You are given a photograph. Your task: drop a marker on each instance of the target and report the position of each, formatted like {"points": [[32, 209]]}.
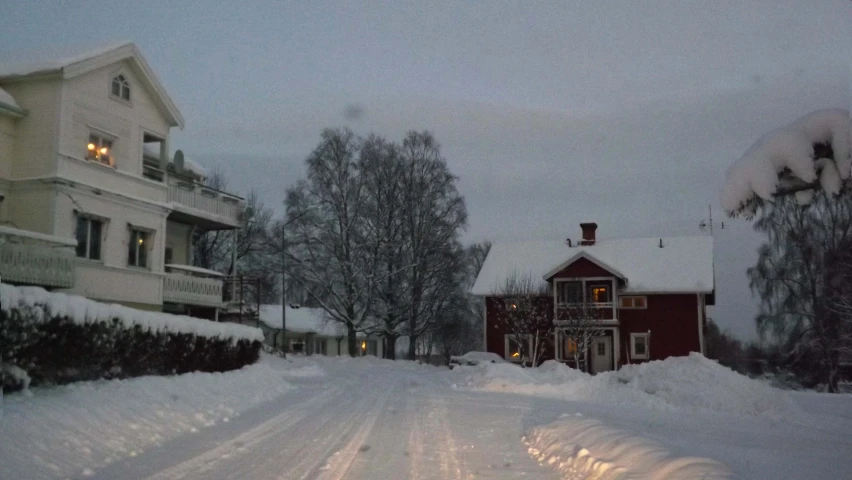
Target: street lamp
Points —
{"points": [[284, 276]]}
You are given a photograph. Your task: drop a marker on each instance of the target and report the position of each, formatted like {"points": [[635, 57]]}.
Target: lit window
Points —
{"points": [[599, 293], [639, 345], [570, 346], [513, 351], [137, 251], [89, 233], [99, 149], [633, 302], [511, 304], [121, 87]]}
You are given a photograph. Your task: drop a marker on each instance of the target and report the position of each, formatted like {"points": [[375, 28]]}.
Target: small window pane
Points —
{"points": [[639, 345], [116, 87], [142, 246], [639, 302], [626, 302], [125, 92], [95, 240], [168, 255], [601, 348], [82, 236]]}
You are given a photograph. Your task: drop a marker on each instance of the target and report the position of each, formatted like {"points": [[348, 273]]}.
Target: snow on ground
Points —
{"points": [[690, 383], [59, 431], [366, 418]]}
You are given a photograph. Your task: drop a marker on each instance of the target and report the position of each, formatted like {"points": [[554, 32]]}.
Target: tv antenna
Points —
{"points": [[709, 224]]}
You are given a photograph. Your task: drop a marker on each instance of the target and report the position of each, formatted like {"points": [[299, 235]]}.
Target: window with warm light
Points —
{"points": [[120, 87], [633, 302], [511, 304], [513, 352], [570, 346], [599, 293], [137, 254], [99, 149]]}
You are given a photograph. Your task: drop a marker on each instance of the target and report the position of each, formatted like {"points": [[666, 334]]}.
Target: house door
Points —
{"points": [[601, 354]]}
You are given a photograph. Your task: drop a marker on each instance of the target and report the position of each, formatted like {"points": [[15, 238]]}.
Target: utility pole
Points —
{"points": [[283, 290]]}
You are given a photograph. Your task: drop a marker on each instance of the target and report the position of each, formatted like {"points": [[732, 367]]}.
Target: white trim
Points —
{"points": [[647, 337], [587, 256], [700, 301]]}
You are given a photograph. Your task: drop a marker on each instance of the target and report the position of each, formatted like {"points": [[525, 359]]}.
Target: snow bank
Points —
{"points": [[756, 173], [678, 383], [59, 432], [579, 448], [475, 358], [82, 310]]}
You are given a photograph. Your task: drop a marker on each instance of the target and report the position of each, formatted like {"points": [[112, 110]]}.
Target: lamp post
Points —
{"points": [[284, 290]]}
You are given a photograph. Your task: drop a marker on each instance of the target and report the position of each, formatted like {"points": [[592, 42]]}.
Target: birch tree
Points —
{"points": [[526, 316], [579, 322], [335, 266]]}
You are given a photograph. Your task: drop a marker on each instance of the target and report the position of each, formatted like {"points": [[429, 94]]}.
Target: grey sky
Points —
{"points": [[550, 113]]}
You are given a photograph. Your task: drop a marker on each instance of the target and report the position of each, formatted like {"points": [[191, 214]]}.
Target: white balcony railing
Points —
{"points": [[190, 290], [34, 259], [207, 201]]}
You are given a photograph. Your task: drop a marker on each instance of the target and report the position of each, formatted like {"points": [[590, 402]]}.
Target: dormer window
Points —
{"points": [[121, 87]]}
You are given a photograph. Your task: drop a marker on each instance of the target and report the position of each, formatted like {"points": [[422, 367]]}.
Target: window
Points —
{"points": [[297, 346], [510, 304], [369, 347], [89, 233], [121, 87], [513, 351], [167, 257], [153, 151], [319, 346], [137, 251], [633, 302], [569, 292], [639, 345], [601, 347], [599, 293], [99, 149]]}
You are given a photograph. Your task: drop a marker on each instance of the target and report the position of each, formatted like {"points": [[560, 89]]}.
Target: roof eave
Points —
{"points": [[587, 256]]}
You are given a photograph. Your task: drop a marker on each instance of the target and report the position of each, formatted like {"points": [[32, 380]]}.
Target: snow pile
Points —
{"points": [[46, 305], [475, 358], [678, 383], [790, 149], [296, 366], [580, 448], [59, 432]]}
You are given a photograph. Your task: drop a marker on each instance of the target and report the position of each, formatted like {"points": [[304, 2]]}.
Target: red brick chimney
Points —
{"points": [[588, 233]]}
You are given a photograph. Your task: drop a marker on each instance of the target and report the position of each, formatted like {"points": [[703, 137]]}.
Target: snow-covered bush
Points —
{"points": [[57, 338]]}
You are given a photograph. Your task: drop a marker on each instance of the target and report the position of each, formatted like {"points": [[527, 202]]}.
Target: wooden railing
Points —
{"points": [[207, 200], [31, 264], [189, 290]]}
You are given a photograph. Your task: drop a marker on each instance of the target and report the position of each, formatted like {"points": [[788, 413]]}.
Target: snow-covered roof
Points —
{"points": [[17, 232], [189, 268], [194, 167], [791, 148], [70, 62], [8, 101], [684, 264], [302, 320]]}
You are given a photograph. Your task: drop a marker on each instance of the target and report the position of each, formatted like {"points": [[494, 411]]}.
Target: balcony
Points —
{"points": [[578, 313], [188, 285], [31, 258], [204, 206]]}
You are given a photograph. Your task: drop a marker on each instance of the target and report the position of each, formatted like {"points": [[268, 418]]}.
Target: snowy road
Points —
{"points": [[368, 422]]}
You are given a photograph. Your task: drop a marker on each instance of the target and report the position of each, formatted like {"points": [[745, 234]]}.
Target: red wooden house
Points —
{"points": [[651, 293]]}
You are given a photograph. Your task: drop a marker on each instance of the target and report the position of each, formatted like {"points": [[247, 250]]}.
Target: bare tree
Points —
{"points": [[579, 322], [334, 264], [526, 316]]}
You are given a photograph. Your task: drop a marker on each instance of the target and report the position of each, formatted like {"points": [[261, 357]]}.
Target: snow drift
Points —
{"points": [[791, 149], [580, 448], [678, 383], [61, 431]]}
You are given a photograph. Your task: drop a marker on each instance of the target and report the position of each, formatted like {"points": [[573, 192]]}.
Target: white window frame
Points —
{"points": [[147, 244], [633, 302], [509, 337], [97, 156], [123, 86], [633, 337], [90, 219]]}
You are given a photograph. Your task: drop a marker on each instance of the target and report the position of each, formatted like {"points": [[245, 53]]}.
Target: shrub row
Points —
{"points": [[58, 349]]}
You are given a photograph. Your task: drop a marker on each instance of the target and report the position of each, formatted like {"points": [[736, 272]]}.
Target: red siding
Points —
{"points": [[672, 320], [583, 267], [495, 331]]}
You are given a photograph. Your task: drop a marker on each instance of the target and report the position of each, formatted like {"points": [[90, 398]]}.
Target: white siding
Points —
{"points": [[107, 284], [88, 104], [34, 153], [177, 237], [29, 206]]}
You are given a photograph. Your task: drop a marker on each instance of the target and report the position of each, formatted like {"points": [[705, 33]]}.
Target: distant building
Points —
{"points": [[650, 294], [90, 202]]}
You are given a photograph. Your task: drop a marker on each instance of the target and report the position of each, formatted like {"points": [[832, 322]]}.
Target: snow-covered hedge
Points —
{"points": [[58, 338]]}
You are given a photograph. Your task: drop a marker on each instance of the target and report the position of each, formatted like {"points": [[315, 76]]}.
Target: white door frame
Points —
{"points": [[606, 339]]}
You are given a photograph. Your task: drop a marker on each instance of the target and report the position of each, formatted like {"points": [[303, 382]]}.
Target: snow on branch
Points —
{"points": [[810, 153]]}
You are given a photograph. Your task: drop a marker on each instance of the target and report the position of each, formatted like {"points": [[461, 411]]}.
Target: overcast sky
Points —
{"points": [[550, 113]]}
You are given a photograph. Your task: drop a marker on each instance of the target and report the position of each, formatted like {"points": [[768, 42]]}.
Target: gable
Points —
{"points": [[582, 267]]}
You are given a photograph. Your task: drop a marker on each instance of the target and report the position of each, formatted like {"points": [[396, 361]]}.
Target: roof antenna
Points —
{"points": [[568, 240], [708, 224]]}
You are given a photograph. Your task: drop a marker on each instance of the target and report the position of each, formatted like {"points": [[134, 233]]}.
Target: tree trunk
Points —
{"points": [[412, 347], [390, 346], [354, 348]]}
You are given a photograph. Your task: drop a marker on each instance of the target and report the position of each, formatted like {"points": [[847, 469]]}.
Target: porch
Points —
{"points": [[30, 258], [188, 285]]}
